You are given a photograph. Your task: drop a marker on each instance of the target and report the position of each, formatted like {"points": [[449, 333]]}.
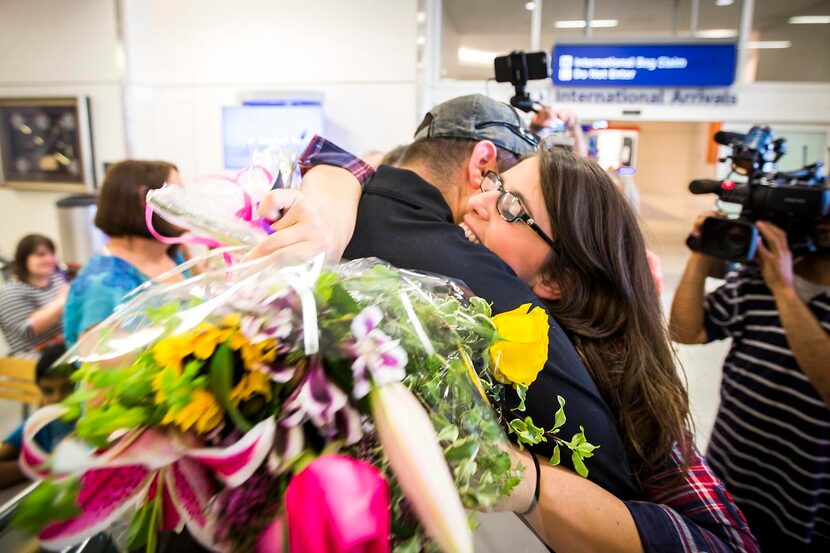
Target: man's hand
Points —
{"points": [[300, 231], [546, 115], [775, 258], [700, 262]]}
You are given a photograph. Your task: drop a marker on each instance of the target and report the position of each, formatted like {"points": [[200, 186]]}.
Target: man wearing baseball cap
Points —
{"points": [[407, 216]]}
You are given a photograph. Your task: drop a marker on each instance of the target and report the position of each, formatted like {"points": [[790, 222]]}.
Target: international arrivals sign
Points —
{"points": [[686, 97], [670, 65]]}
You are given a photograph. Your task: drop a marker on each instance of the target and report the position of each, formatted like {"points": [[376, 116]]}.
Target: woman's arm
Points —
{"points": [[573, 514], [45, 318], [688, 512]]}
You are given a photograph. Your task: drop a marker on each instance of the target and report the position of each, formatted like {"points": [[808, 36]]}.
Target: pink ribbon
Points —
{"points": [[246, 214]]}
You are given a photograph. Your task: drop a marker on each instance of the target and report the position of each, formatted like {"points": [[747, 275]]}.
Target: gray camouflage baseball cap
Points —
{"points": [[478, 117]]}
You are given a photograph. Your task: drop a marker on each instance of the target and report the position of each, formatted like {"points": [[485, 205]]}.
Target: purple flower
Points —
{"points": [[324, 404], [378, 355]]}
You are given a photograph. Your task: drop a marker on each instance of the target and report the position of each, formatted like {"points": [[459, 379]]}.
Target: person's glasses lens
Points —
{"points": [[489, 183], [509, 206]]}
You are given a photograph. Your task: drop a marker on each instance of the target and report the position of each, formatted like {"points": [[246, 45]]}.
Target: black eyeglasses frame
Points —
{"points": [[523, 216]]}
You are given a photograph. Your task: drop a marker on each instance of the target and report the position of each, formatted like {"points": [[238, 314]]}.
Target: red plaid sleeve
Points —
{"points": [[322, 152], [695, 513]]}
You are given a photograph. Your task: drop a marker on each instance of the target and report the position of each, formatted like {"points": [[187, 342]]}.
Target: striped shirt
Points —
{"points": [[771, 440], [18, 300]]}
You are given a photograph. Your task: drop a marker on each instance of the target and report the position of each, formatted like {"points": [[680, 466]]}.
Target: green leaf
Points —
{"points": [[51, 501], [480, 305], [323, 286], [412, 545], [560, 419], [580, 467], [554, 460], [521, 391], [586, 450], [221, 371], [527, 432], [448, 433], [139, 525], [462, 450]]}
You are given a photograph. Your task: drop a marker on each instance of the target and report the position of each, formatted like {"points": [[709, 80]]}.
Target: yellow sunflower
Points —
{"points": [[202, 413]]}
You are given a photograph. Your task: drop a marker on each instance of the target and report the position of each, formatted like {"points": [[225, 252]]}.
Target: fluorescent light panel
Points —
{"points": [[716, 33], [471, 56], [769, 44], [810, 20], [580, 24]]}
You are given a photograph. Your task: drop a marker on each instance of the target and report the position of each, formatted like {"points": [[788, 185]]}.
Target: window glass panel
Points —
{"points": [[804, 58], [474, 31]]}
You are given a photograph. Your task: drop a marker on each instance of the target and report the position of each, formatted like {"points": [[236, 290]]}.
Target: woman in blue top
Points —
{"points": [[132, 256]]}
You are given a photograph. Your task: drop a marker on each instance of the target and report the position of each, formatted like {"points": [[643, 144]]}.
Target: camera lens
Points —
{"points": [[737, 237]]}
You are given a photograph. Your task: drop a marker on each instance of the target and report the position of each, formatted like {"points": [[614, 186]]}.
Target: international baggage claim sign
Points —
{"points": [[688, 73]]}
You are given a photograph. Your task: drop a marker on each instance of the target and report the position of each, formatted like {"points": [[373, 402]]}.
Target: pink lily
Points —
{"points": [[131, 472], [338, 504], [410, 444]]}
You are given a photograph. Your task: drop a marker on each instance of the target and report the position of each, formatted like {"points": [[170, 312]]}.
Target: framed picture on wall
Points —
{"points": [[46, 144]]}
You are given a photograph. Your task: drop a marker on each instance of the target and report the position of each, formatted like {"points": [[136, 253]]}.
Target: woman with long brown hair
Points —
{"points": [[586, 257], [561, 226]]}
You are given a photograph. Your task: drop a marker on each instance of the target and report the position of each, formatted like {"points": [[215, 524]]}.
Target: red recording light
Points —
{"points": [[727, 185]]}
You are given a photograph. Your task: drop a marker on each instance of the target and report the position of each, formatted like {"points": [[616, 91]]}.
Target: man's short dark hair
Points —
{"points": [[445, 155], [122, 198], [47, 358]]}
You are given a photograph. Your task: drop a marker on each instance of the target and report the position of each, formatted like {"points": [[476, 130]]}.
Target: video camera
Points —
{"points": [[517, 68], [794, 200]]}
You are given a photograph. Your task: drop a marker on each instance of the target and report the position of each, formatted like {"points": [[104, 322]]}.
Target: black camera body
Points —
{"points": [[795, 201], [519, 67]]}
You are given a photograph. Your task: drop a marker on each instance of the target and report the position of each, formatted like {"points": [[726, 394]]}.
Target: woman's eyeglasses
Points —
{"points": [[511, 207]]}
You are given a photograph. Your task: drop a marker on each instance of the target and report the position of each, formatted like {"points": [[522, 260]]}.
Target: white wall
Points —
{"points": [[188, 58], [54, 48], [160, 94]]}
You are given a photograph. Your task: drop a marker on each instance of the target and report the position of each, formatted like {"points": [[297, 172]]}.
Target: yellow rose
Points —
{"points": [[522, 349]]}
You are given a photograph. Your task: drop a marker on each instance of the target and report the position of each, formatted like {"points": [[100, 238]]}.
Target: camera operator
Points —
{"points": [[771, 440], [546, 118]]}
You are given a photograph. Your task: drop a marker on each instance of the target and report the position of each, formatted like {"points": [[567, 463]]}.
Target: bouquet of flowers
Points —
{"points": [[301, 408]]}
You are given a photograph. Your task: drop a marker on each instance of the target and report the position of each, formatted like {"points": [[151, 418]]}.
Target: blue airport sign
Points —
{"points": [[652, 65]]}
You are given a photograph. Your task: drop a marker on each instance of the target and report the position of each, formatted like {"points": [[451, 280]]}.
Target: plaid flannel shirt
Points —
{"points": [[322, 152], [691, 514]]}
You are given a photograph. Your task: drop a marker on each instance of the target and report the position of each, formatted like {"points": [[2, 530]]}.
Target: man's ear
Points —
{"points": [[547, 289], [483, 159]]}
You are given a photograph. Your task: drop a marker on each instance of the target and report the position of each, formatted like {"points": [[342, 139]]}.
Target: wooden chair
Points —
{"points": [[18, 383]]}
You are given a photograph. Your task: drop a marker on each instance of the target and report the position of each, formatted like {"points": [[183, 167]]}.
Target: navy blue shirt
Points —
{"points": [[405, 221]]}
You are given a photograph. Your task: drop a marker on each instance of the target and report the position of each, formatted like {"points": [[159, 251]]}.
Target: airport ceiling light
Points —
{"points": [[810, 20], [716, 33], [580, 24], [471, 56], [769, 44], [723, 3], [530, 6]]}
